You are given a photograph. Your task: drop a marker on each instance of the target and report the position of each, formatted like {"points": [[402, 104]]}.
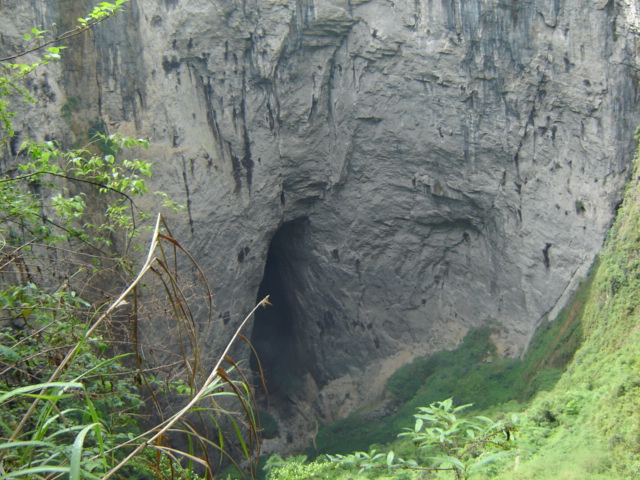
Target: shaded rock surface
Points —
{"points": [[408, 169]]}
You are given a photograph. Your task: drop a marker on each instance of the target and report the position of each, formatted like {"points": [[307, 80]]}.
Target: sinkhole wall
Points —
{"points": [[392, 173]]}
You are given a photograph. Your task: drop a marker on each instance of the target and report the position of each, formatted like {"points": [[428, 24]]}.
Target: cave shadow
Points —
{"points": [[274, 336]]}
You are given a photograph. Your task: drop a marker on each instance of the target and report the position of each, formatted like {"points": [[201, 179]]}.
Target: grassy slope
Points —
{"points": [[470, 374], [593, 413]]}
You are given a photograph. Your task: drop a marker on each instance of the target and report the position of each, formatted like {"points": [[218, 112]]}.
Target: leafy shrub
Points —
{"points": [[461, 446], [77, 375], [294, 468]]}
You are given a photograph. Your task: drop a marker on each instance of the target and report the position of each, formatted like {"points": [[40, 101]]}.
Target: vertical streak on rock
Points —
{"points": [[224, 147], [247, 161], [186, 190]]}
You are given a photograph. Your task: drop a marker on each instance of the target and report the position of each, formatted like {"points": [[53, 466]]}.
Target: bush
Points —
{"points": [[77, 374], [457, 445]]}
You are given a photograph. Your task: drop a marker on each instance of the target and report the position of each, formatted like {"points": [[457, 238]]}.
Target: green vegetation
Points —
{"points": [[592, 412], [470, 373], [268, 425], [82, 394], [440, 444], [452, 444]]}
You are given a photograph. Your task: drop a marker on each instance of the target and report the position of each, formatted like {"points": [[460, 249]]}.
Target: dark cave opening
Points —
{"points": [[274, 328]]}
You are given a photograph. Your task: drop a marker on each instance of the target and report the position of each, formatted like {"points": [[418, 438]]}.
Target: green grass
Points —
{"points": [[596, 403], [471, 373]]}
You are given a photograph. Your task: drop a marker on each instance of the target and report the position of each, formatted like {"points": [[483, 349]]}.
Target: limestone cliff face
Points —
{"points": [[408, 169]]}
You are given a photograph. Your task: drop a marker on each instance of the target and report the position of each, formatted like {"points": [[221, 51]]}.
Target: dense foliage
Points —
{"points": [[81, 393], [439, 444]]}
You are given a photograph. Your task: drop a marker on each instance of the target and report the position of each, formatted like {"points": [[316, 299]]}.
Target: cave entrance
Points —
{"points": [[275, 334]]}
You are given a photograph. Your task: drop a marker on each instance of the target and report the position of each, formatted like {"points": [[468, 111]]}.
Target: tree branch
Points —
{"points": [[80, 29]]}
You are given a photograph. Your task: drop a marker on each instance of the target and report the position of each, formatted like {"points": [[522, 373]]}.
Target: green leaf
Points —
{"points": [[101, 365], [486, 459], [39, 386], [76, 451], [462, 407], [485, 419], [30, 443], [453, 461], [29, 472], [8, 355], [240, 438], [52, 398]]}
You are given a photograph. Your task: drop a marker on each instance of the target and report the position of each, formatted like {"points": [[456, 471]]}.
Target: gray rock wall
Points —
{"points": [[443, 162]]}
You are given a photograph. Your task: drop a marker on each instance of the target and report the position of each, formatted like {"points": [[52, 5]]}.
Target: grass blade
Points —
{"points": [[29, 472], [76, 451], [39, 386]]}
